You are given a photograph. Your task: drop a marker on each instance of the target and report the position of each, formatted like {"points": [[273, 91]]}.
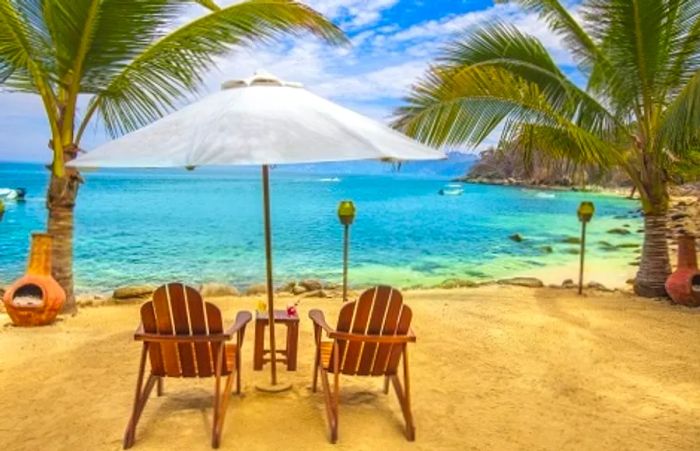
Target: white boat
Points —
{"points": [[12, 194], [452, 189]]}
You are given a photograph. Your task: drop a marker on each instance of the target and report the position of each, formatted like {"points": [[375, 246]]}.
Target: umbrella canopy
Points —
{"points": [[261, 120], [258, 121]]}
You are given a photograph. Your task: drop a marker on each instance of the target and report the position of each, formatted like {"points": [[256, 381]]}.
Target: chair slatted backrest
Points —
{"points": [[378, 311], [179, 310]]}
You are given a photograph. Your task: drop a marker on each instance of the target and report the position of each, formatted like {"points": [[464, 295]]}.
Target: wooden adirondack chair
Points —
{"points": [[371, 338], [183, 336]]}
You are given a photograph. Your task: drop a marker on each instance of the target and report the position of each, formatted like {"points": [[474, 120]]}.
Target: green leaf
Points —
{"points": [[149, 86]]}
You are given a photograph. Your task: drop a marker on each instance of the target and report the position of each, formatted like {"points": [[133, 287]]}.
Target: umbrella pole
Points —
{"points": [[274, 386], [268, 259]]}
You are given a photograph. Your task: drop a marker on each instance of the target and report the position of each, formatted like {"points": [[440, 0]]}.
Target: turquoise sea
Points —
{"points": [[151, 226]]}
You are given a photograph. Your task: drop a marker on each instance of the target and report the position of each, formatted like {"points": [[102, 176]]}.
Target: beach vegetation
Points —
{"points": [[637, 108]]}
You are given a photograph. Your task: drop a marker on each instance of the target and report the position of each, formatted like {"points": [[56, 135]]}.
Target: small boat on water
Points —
{"points": [[12, 194], [452, 189]]}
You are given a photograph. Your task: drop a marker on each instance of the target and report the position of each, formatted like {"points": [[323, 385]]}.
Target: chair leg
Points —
{"points": [[314, 385], [159, 387], [221, 400], [331, 406], [140, 399], [238, 371], [386, 385], [404, 396]]}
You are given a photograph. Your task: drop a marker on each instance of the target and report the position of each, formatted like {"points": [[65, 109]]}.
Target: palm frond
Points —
{"points": [[559, 19], [25, 57], [504, 46], [680, 127], [209, 4], [171, 67], [448, 109]]}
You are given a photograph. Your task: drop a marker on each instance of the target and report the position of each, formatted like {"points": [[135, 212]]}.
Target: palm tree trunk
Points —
{"points": [[60, 202], [655, 266]]}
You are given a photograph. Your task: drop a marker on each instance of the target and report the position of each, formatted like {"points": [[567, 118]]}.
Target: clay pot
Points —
{"points": [[36, 298], [684, 284]]}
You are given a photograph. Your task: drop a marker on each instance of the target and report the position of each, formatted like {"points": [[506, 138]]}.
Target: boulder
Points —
{"points": [[256, 289], [628, 246], [630, 281], [133, 292], [568, 283], [457, 283], [299, 289], [288, 287], [619, 231], [332, 286], [547, 249], [597, 286], [529, 282], [210, 290], [518, 238], [571, 240], [311, 284]]}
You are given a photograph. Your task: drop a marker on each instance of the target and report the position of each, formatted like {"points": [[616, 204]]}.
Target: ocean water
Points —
{"points": [[152, 226]]}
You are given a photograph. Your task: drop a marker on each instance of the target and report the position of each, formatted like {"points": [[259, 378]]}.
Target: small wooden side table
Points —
{"points": [[289, 355]]}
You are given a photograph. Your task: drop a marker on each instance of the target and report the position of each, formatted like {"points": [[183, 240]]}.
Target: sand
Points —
{"points": [[494, 368]]}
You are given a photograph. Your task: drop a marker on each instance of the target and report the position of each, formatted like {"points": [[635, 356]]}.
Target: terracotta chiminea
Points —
{"points": [[36, 298], [684, 284]]}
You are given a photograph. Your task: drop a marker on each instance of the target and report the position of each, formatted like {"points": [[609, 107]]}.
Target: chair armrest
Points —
{"points": [[242, 318], [319, 320], [381, 339], [139, 332]]}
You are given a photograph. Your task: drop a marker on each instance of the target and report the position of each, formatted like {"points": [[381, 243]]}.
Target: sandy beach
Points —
{"points": [[494, 367]]}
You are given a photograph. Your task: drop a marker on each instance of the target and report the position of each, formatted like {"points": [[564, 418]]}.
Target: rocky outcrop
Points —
{"points": [[133, 292], [507, 167], [529, 282]]}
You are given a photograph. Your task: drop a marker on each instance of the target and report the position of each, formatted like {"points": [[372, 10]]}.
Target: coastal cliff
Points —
{"points": [[496, 167]]}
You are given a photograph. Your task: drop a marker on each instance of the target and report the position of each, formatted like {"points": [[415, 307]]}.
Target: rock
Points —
{"points": [[211, 290], [597, 286], [518, 238], [547, 249], [568, 283], [572, 250], [678, 216], [315, 294], [133, 292], [256, 289], [456, 283], [332, 286], [571, 240], [630, 281], [299, 289], [529, 282], [288, 287], [628, 246], [311, 284], [619, 231]]}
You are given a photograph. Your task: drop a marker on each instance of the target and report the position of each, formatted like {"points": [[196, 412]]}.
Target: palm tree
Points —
{"points": [[133, 60], [639, 110]]}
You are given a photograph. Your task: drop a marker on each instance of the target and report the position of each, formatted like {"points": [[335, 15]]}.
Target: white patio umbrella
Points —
{"points": [[258, 121]]}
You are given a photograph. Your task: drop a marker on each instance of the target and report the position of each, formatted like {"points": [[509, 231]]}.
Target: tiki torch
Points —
{"points": [[585, 213], [346, 215]]}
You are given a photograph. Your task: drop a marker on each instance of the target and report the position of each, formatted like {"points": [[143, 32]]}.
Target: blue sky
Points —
{"points": [[393, 42]]}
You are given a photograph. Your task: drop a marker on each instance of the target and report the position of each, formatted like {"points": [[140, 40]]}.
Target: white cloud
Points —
{"points": [[370, 77]]}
